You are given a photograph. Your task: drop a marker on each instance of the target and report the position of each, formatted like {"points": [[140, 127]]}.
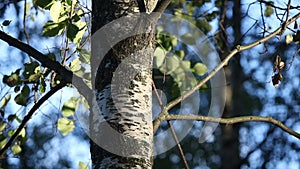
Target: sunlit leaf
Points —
{"points": [[16, 149], [65, 125], [180, 54], [2, 127], [84, 56], [200, 69], [75, 65], [5, 100], [174, 41], [186, 64], [55, 10], [3, 142], [69, 107], [82, 28], [82, 165], [288, 38]]}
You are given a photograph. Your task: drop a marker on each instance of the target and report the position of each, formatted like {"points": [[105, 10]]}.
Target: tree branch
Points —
{"points": [[161, 6], [67, 75], [277, 7], [29, 115], [237, 49], [232, 120]]}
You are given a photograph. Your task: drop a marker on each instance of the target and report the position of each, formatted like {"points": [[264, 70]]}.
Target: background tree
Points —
{"points": [[256, 145]]}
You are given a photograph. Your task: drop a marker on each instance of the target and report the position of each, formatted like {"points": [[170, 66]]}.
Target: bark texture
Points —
{"points": [[121, 120]]}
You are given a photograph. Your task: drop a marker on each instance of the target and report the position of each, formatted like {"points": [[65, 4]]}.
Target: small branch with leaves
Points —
{"points": [[69, 76], [164, 115], [35, 107]]}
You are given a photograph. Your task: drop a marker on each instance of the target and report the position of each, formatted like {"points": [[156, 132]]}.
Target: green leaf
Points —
{"points": [[172, 64], [296, 37], [55, 11], [42, 3], [268, 11], [5, 100], [203, 25], [52, 29], [174, 41], [34, 77], [82, 28], [6, 22], [188, 39], [288, 38], [11, 118], [29, 69], [72, 31], [159, 55], [69, 2], [85, 56], [42, 86], [22, 133], [65, 125], [69, 107], [3, 142], [82, 165], [25, 91], [200, 69], [75, 65], [16, 149], [2, 126], [186, 64], [13, 80], [20, 99], [180, 54]]}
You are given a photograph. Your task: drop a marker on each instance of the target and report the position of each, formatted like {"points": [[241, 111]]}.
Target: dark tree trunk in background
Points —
{"points": [[123, 89], [230, 133]]}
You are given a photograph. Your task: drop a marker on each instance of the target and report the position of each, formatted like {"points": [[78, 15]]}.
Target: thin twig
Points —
{"points": [[233, 120], [292, 61], [172, 129], [237, 49], [29, 115], [277, 7]]}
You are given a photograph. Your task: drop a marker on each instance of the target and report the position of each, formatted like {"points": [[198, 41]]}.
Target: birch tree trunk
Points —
{"points": [[121, 121]]}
